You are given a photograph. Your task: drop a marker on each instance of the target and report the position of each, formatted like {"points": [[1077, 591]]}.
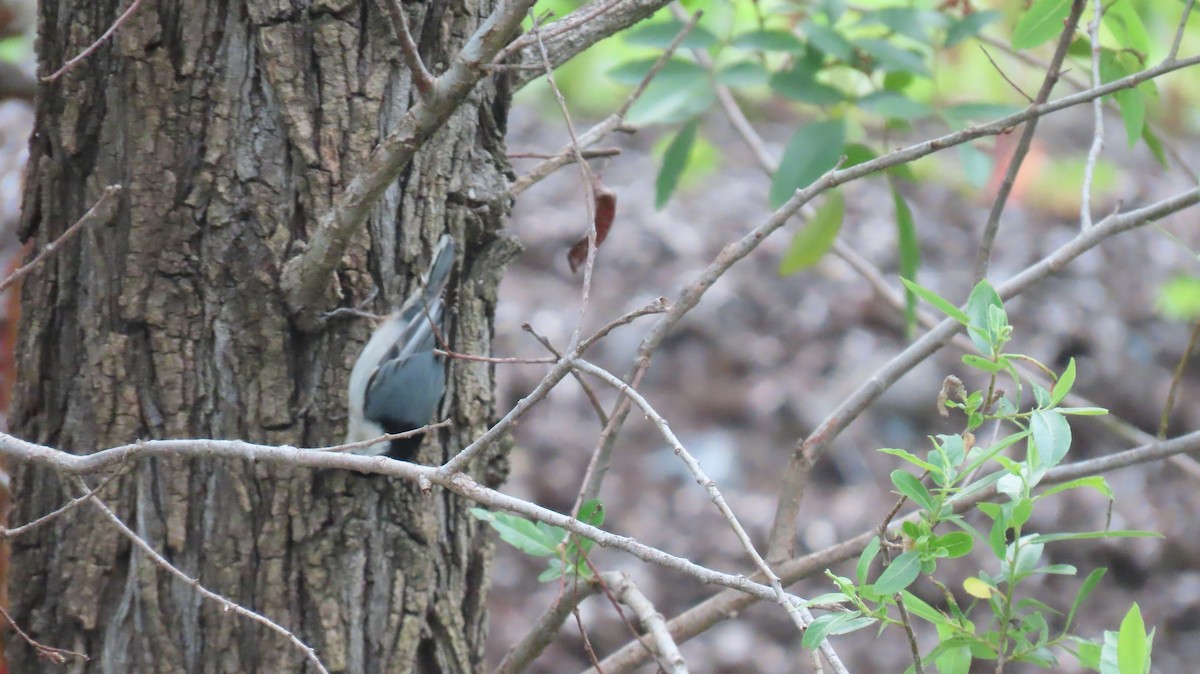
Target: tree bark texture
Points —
{"points": [[232, 126]]}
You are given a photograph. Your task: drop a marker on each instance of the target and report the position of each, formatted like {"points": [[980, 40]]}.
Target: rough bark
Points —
{"points": [[232, 125]]}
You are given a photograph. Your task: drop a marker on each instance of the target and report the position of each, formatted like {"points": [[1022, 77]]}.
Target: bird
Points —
{"points": [[398, 381]]}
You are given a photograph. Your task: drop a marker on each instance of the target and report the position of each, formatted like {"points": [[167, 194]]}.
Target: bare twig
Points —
{"points": [[57, 656], [583, 383], [524, 652], [102, 211], [69, 65], [388, 437], [596, 153], [225, 603], [1183, 19], [628, 593], [1011, 83], [992, 227], [1089, 169], [6, 533], [422, 78], [611, 123], [1165, 420], [589, 186], [498, 360]]}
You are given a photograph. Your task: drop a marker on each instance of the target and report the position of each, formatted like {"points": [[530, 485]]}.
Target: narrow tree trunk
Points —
{"points": [[232, 127]]}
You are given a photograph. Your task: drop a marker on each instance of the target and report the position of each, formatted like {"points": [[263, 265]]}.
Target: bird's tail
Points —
{"points": [[435, 278]]}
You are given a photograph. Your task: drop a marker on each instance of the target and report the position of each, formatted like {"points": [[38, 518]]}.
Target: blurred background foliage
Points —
{"points": [[855, 78]]}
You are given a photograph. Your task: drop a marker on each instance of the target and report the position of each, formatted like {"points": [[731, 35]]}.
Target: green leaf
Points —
{"points": [[537, 539], [899, 574], [671, 101], [1052, 434], [910, 255], [865, 559], [1133, 652], [592, 512], [912, 458], [1131, 102], [894, 105], [908, 21], [1021, 511], [799, 84], [976, 164], [980, 306], [969, 26], [830, 41], [1155, 145], [820, 628], [679, 70], [743, 74], [813, 149], [1083, 411], [955, 543], [1042, 22], [910, 486], [675, 160], [1179, 298], [921, 609], [1122, 20], [1063, 386], [811, 243], [888, 57], [553, 571], [972, 113], [984, 364], [1085, 589], [768, 40], [1094, 481], [936, 300], [1093, 535], [661, 35]]}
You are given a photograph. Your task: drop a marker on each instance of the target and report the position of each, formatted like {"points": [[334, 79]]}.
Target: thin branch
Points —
{"points": [[1011, 83], [497, 360], [524, 652], [1165, 420], [1082, 85], [101, 212], [992, 228], [589, 186], [807, 451], [459, 483], [583, 383], [225, 603], [576, 32], [388, 437], [306, 277], [597, 153], [69, 65], [57, 656], [422, 78], [1089, 169], [658, 306], [628, 593], [1187, 12], [6, 533], [610, 124]]}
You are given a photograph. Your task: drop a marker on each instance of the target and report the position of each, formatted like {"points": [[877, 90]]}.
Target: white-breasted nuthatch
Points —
{"points": [[397, 381]]}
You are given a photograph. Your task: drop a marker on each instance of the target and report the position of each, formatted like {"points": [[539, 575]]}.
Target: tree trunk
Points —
{"points": [[232, 127]]}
